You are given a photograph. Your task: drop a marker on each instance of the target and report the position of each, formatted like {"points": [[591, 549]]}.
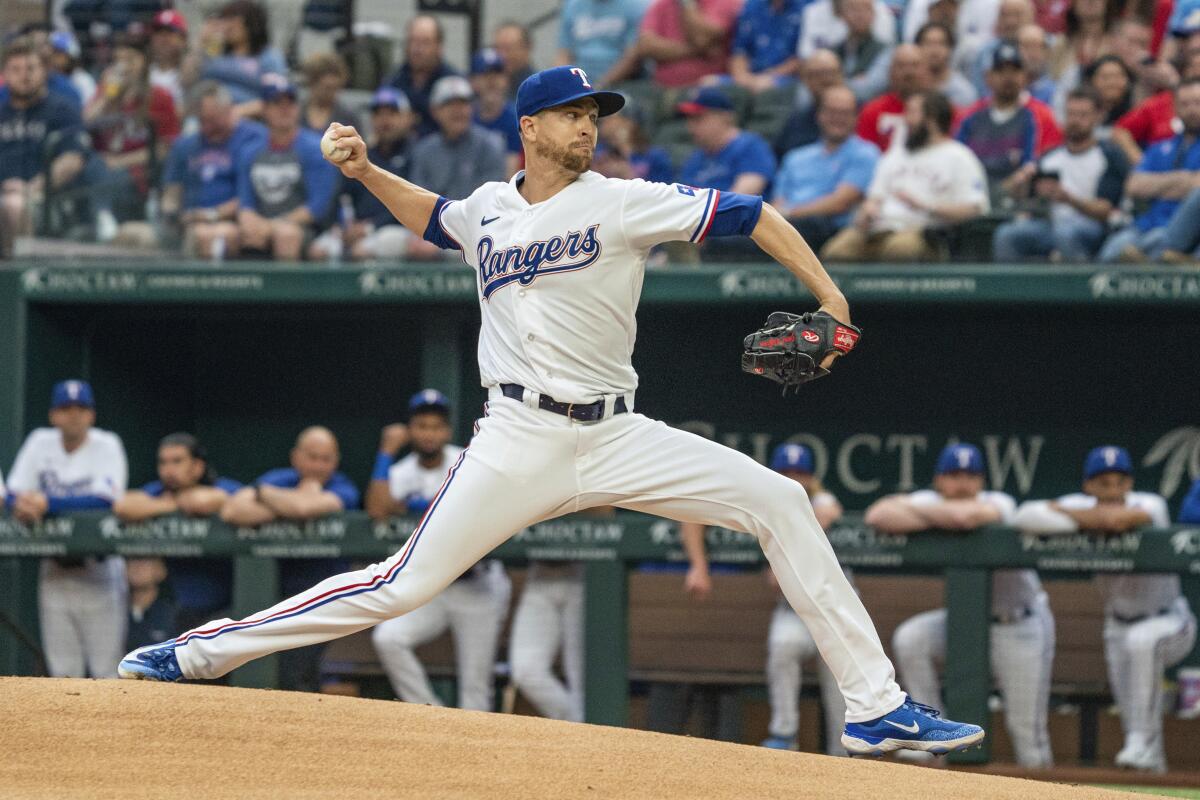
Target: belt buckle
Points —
{"points": [[570, 411]]}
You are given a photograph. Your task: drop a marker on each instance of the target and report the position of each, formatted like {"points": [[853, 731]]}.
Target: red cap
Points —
{"points": [[170, 18]]}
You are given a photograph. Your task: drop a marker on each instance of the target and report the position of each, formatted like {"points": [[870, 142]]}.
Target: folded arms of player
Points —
{"points": [[409, 203], [1045, 516], [897, 514]]}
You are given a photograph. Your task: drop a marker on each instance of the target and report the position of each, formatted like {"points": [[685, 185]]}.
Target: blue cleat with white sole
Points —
{"points": [[912, 726], [780, 743], [155, 662]]}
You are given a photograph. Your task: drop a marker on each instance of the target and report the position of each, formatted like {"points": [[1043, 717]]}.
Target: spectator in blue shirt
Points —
{"points": [[726, 157], [821, 70], [1189, 513], [187, 484], [285, 186], [40, 134], [423, 65], [493, 110], [818, 186], [372, 232], [599, 37], [200, 177], [1169, 171], [310, 488], [240, 35], [624, 151], [765, 42]]}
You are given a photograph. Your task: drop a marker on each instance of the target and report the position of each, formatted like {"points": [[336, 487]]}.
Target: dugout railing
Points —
{"points": [[609, 547]]}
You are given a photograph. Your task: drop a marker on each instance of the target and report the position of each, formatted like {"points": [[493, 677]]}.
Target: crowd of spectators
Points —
{"points": [[1072, 127]]}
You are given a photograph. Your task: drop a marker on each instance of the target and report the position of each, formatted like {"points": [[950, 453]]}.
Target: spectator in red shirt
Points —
{"points": [[133, 124], [688, 39], [884, 115], [1154, 118]]}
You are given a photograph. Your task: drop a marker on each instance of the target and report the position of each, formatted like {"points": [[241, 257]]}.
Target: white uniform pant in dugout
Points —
{"points": [[526, 465], [473, 609], [549, 617], [1022, 655], [789, 645], [1137, 653], [84, 615]]}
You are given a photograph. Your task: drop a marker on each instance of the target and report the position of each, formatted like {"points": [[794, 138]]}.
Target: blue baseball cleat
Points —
{"points": [[780, 743], [155, 662], [912, 726]]}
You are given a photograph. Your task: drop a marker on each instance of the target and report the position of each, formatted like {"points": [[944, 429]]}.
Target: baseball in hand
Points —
{"points": [[331, 150]]}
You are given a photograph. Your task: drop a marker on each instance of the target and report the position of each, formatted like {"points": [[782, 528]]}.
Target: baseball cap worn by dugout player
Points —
{"points": [[72, 393], [429, 400], [708, 99], [561, 85], [792, 458], [959, 458], [1107, 459]]}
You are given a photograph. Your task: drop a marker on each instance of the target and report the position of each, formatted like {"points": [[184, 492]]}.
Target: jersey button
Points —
{"points": [[521, 293], [531, 337]]}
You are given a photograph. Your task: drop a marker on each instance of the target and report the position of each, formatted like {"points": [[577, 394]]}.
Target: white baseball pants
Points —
{"points": [[789, 645], [525, 465], [549, 618], [473, 609], [1137, 654], [1022, 655], [84, 614]]}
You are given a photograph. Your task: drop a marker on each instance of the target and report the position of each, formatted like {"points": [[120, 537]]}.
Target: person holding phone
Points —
{"points": [[1073, 189]]}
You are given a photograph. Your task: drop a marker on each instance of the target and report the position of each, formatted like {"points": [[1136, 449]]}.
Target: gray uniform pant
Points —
{"points": [[1022, 654], [1137, 654], [84, 614], [473, 609], [549, 617]]}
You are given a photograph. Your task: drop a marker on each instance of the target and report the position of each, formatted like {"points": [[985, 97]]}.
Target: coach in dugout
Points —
{"points": [[187, 484], [74, 466], [312, 487]]}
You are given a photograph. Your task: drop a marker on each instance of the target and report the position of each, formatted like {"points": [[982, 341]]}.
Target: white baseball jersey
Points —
{"points": [[97, 467], [1133, 594], [407, 477], [568, 336], [1012, 589]]}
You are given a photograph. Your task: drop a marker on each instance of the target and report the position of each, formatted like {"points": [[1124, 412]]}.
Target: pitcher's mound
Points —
{"points": [[125, 739]]}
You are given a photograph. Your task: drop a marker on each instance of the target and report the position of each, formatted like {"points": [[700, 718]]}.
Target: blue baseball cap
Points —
{"points": [[72, 393], [959, 458], [792, 458], [275, 86], [387, 97], [487, 60], [708, 99], [560, 85], [429, 399], [64, 42], [1107, 459]]}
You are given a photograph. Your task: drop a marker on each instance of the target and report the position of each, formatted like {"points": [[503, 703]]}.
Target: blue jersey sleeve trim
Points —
{"points": [[57, 505], [735, 215], [705, 216], [435, 233]]}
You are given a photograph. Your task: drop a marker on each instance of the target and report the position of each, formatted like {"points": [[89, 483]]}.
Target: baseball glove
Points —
{"points": [[789, 348]]}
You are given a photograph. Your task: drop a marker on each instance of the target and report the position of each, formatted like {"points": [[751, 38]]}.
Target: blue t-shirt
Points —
{"points": [[339, 484], [1190, 511], [1166, 156], [597, 32], [57, 84], [810, 172], [652, 165], [747, 152], [505, 124], [208, 170], [418, 96], [765, 36], [242, 75], [226, 485], [275, 181], [24, 132]]}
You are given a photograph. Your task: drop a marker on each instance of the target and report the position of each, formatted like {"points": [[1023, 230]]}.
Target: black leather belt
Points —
{"points": [[1015, 615], [1140, 617], [581, 412]]}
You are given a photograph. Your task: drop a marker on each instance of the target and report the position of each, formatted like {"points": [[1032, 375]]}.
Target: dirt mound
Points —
{"points": [[123, 739]]}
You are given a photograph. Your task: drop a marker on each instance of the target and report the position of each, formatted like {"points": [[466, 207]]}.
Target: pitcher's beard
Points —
{"points": [[572, 159]]}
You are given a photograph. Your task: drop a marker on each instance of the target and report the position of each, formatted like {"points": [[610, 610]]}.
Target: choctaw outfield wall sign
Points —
{"points": [[858, 463]]}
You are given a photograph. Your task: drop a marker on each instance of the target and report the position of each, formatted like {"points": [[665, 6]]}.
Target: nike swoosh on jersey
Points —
{"points": [[485, 221], [914, 728]]}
